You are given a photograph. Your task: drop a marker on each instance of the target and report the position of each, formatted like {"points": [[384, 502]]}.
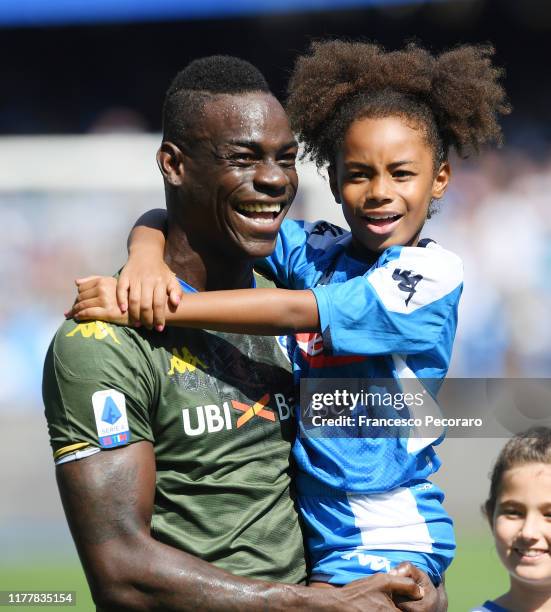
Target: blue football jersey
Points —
{"points": [[394, 318]]}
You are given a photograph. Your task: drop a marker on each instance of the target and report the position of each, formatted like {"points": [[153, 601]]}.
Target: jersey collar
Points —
{"points": [[189, 289]]}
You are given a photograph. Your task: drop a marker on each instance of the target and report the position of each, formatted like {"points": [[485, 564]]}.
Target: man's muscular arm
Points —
{"points": [[108, 500]]}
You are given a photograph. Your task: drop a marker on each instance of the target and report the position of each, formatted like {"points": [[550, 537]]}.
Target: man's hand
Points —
{"points": [[433, 600], [377, 592]]}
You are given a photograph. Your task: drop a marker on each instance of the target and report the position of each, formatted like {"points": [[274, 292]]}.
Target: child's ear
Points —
{"points": [[332, 172], [171, 163], [441, 180]]}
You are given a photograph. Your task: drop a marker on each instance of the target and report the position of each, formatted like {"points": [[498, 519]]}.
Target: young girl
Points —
{"points": [[519, 513], [380, 303]]}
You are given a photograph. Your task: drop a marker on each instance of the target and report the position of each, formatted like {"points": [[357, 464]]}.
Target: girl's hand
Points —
{"points": [[97, 300], [143, 287]]}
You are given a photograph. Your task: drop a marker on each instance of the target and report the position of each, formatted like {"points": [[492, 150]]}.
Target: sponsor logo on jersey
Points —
{"points": [[183, 361], [374, 562], [311, 347], [95, 329], [212, 418], [407, 281], [256, 409], [111, 419]]}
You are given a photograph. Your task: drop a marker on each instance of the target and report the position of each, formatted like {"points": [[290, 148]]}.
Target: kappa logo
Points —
{"points": [[322, 228], [377, 564], [212, 418], [95, 329], [183, 361], [407, 281]]}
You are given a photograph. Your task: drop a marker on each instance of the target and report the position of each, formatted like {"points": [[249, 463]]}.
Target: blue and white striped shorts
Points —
{"points": [[350, 536]]}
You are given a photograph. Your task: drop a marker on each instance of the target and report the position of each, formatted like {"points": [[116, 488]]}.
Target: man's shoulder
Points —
{"points": [[89, 334], [84, 347], [98, 330], [97, 387]]}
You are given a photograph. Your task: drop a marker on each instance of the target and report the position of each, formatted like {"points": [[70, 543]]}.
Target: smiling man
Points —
{"points": [[172, 450]]}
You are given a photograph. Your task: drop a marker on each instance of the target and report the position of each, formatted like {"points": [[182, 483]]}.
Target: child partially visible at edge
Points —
{"points": [[375, 302], [518, 510]]}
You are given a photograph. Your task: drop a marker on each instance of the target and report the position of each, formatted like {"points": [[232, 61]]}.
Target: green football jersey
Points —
{"points": [[218, 410]]}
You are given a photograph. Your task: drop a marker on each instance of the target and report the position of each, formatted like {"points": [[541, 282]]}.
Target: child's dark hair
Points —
{"points": [[532, 446], [455, 96]]}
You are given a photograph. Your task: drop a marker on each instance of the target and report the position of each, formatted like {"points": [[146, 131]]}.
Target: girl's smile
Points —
{"points": [[522, 523]]}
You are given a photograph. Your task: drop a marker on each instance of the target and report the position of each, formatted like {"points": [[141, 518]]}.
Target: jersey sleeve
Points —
{"points": [[97, 388], [299, 248], [407, 305]]}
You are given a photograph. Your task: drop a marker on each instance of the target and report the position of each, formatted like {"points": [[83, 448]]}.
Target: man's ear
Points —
{"points": [[332, 172], [441, 180], [170, 160]]}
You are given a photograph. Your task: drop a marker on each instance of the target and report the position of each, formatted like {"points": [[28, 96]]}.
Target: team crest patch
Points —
{"points": [[111, 420]]}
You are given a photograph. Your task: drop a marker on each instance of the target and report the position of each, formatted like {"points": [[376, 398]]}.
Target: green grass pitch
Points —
{"points": [[475, 575], [44, 576]]}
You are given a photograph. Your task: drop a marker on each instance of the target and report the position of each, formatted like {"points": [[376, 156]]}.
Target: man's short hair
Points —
{"points": [[198, 82]]}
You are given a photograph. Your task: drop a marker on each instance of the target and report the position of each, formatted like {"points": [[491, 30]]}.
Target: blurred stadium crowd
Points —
{"points": [[495, 216], [66, 205]]}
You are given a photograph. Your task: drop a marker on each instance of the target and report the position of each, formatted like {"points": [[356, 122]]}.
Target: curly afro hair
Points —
{"points": [[456, 96], [198, 82]]}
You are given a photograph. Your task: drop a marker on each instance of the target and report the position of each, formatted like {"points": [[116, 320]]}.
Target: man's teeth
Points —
{"points": [[256, 207]]}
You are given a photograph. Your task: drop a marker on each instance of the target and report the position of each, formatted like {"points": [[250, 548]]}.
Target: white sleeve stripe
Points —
{"points": [[75, 456], [416, 278]]}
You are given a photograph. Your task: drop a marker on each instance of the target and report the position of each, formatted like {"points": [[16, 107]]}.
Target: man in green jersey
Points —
{"points": [[172, 450]]}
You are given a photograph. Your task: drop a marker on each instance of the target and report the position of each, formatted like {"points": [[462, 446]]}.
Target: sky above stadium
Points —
{"points": [[21, 13]]}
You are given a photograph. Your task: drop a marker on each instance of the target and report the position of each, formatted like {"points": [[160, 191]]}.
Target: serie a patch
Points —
{"points": [[111, 420]]}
